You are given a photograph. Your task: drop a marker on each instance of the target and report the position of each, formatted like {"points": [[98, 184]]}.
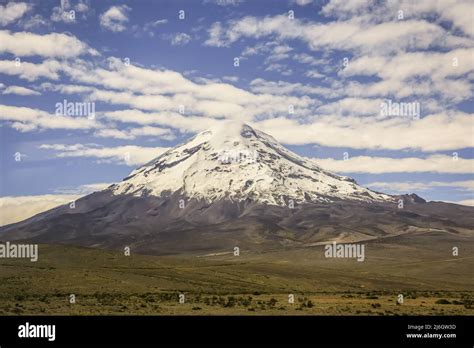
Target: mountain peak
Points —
{"points": [[226, 132], [237, 162], [230, 127]]}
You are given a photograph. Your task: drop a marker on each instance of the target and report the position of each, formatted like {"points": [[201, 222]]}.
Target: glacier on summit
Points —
{"points": [[237, 162]]}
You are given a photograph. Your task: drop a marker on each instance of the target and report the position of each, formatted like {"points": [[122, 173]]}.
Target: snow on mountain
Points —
{"points": [[236, 162]]}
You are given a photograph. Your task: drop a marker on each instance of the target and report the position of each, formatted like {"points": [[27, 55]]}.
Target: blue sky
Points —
{"points": [[314, 78]]}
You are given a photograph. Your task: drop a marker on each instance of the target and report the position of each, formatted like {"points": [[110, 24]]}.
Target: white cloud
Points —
{"points": [[66, 89], [305, 58], [63, 14], [353, 34], [417, 73], [380, 165], [285, 88], [20, 91], [352, 107], [115, 18], [27, 119], [334, 124], [282, 69], [446, 131], [50, 45], [179, 39], [279, 52], [174, 120], [314, 74], [19, 208], [161, 92], [449, 91], [113, 133], [197, 107], [148, 28], [303, 2], [82, 6], [130, 154], [258, 48], [49, 68], [468, 202], [275, 52], [88, 188], [410, 186], [165, 90], [132, 133], [459, 12], [12, 11], [66, 12], [157, 22], [216, 36], [83, 189], [34, 22], [225, 2], [157, 132], [231, 78], [377, 44]]}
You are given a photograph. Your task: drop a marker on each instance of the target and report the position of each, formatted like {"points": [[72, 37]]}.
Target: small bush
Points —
{"points": [[272, 302], [442, 301], [468, 302]]}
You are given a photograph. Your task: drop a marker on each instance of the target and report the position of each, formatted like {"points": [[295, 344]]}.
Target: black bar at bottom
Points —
{"points": [[423, 330]]}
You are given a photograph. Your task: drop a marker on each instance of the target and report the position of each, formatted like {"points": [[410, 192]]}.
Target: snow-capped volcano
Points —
{"points": [[234, 186], [234, 161]]}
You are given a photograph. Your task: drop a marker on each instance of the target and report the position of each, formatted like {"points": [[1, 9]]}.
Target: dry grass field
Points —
{"points": [[432, 281]]}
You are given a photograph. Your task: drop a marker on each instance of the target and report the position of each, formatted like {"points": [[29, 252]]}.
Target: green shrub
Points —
{"points": [[442, 301]]}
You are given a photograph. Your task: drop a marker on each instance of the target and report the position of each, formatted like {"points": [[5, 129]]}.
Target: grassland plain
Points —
{"points": [[431, 279]]}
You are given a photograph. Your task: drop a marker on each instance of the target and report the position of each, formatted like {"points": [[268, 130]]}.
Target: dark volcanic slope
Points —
{"points": [[159, 226]]}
